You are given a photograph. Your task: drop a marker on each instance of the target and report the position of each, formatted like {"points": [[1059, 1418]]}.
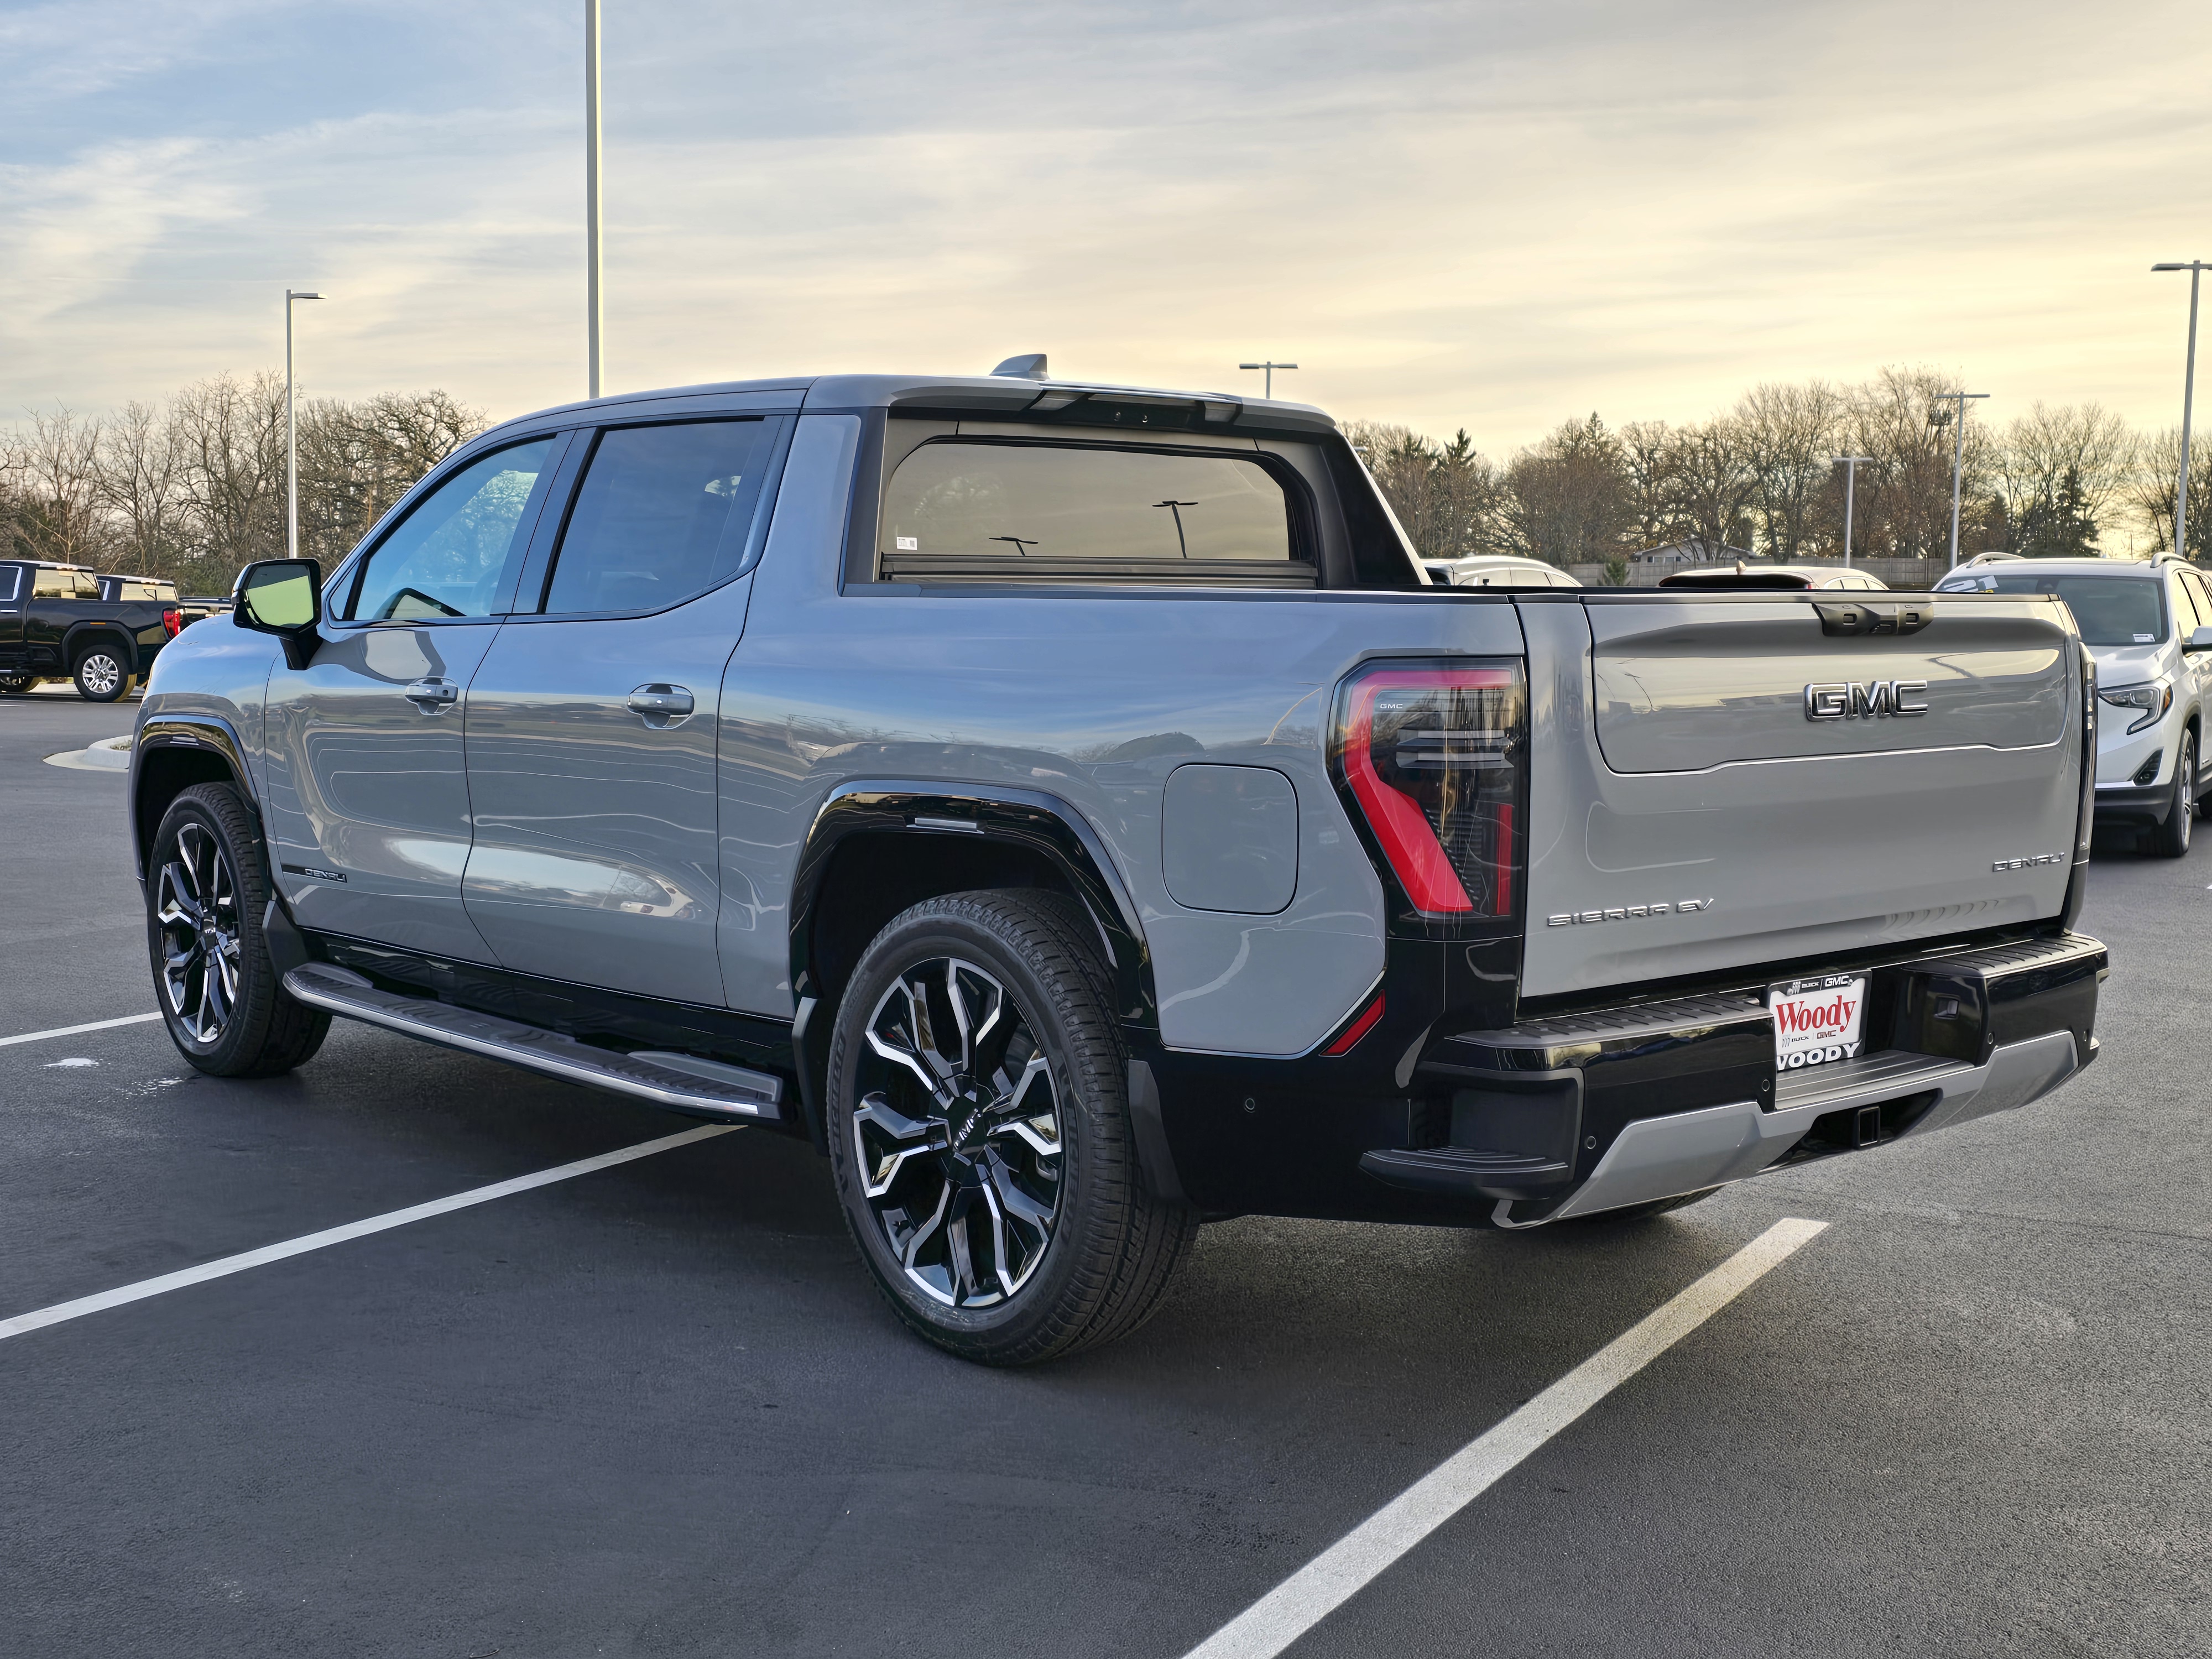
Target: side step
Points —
{"points": [[685, 1082]]}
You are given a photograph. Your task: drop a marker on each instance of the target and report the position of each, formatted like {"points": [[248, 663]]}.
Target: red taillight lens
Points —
{"points": [[173, 623], [1432, 754]]}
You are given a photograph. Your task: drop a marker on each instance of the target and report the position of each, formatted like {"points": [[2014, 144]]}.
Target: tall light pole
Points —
{"points": [[1270, 368], [1957, 455], [1850, 493], [2196, 267], [593, 311], [291, 436]]}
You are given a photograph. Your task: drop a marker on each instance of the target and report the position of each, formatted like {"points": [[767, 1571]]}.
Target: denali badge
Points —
{"points": [[1850, 700], [1629, 913], [310, 870], [2029, 864]]}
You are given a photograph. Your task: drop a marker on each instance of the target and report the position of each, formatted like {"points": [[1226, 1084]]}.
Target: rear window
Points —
{"points": [[998, 511], [2108, 610]]}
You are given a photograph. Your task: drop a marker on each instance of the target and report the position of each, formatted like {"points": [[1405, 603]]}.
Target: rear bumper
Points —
{"points": [[1607, 1108]]}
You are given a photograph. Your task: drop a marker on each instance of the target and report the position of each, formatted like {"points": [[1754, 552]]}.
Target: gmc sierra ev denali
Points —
{"points": [[1072, 810]]}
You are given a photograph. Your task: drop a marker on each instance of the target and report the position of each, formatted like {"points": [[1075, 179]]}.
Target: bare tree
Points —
{"points": [[1568, 498], [1904, 495], [230, 441], [1715, 482], [137, 484], [53, 474], [2150, 492], [1648, 456], [2059, 474], [1787, 433]]}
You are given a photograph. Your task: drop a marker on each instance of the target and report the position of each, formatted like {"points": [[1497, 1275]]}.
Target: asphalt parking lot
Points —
{"points": [[659, 1409]]}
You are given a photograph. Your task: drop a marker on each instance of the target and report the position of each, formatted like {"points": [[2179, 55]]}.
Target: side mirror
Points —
{"points": [[2200, 640], [284, 597]]}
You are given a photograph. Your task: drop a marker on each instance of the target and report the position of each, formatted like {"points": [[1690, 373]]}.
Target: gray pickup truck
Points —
{"points": [[1073, 809]]}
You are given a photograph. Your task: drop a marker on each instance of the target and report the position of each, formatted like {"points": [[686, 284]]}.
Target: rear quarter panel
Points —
{"points": [[1093, 697]]}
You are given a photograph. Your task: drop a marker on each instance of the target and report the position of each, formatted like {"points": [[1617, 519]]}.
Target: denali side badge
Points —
{"points": [[1852, 701], [1628, 913], [309, 869], [2029, 864]]}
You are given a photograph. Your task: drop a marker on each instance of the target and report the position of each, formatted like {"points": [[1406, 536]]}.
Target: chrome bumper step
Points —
{"points": [[683, 1083]]}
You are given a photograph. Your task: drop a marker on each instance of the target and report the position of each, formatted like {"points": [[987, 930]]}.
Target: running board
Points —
{"points": [[683, 1083]]}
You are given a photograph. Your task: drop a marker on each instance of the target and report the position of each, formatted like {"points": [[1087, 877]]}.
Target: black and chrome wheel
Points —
{"points": [[206, 889], [14, 685], [196, 909], [956, 1135], [100, 676], [980, 1133], [2170, 840]]}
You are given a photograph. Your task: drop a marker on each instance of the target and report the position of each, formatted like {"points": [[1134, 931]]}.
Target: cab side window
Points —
{"points": [[446, 557], [664, 513], [2200, 597]]}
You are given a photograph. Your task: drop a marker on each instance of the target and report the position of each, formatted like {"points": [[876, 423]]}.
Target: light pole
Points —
{"points": [[2196, 267], [291, 436], [1850, 493], [1957, 455], [592, 306], [1270, 368]]}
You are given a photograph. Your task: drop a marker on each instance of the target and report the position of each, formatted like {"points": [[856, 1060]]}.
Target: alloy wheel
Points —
{"points": [[195, 906], [99, 674], [956, 1136]]}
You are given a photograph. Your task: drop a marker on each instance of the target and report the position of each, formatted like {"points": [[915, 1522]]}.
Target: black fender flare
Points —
{"points": [[74, 641], [1043, 825], [209, 735]]}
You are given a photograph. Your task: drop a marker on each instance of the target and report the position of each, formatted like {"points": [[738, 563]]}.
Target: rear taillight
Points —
{"points": [[1432, 754], [173, 623]]}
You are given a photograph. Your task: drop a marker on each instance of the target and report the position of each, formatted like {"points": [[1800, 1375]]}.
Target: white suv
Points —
{"points": [[2149, 628]]}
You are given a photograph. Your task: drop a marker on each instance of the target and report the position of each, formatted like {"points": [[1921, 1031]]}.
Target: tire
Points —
{"points": [[1004, 1234], [100, 676], [16, 686], [1657, 1206], [216, 985], [2170, 840]]}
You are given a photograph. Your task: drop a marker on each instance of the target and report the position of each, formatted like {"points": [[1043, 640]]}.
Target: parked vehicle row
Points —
{"points": [[1073, 810], [69, 622]]}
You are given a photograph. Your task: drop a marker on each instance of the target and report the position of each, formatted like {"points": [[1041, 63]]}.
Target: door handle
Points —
{"points": [[434, 696], [661, 706]]}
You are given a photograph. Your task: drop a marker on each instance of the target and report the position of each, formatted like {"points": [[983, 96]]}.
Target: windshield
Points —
{"points": [[2108, 610]]}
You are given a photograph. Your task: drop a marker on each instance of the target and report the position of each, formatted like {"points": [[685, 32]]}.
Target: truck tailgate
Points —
{"points": [[1717, 783]]}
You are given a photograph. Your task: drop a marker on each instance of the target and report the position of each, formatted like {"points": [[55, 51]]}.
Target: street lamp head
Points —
{"points": [[2181, 264], [294, 294]]}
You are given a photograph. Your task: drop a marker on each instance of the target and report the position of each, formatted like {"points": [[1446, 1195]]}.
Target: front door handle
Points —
{"points": [[434, 696], [661, 706]]}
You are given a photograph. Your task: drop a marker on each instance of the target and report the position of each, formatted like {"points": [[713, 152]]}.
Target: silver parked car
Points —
{"points": [[1070, 809], [2150, 627]]}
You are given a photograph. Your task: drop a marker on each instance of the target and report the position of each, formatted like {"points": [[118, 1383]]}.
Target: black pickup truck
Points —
{"points": [[54, 624]]}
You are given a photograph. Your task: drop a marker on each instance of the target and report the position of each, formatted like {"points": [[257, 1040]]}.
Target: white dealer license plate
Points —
{"points": [[1817, 1021]]}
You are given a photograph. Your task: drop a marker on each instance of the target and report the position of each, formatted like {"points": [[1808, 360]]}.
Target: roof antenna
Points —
{"points": [[1029, 368]]}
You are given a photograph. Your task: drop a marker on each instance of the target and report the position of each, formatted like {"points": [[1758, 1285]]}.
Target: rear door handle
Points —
{"points": [[434, 696], [661, 706]]}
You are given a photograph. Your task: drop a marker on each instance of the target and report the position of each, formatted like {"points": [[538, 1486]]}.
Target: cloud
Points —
{"points": [[1482, 214]]}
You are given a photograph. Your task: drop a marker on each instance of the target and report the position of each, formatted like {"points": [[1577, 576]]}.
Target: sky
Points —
{"points": [[1479, 214]]}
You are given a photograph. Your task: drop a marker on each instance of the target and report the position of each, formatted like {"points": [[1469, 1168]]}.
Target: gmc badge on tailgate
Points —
{"points": [[1854, 701]]}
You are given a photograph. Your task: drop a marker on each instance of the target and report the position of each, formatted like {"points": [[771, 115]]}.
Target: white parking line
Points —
{"points": [[1338, 1573], [63, 1311], [72, 1030]]}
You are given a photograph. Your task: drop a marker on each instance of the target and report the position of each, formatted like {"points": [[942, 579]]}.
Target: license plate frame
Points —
{"points": [[1819, 1020]]}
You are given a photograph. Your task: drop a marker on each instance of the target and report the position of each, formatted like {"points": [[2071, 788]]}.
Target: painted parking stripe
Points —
{"points": [[64, 1311], [1338, 1573], [73, 1030]]}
